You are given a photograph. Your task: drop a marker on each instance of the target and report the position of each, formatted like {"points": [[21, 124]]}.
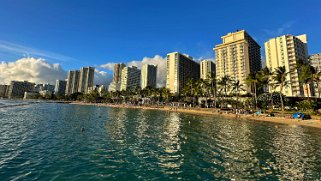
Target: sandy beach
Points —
{"points": [[316, 123]]}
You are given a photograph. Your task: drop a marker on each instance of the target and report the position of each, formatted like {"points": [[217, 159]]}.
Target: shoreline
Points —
{"points": [[212, 112]]}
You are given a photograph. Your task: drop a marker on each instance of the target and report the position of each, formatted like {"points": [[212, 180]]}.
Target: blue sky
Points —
{"points": [[76, 33]]}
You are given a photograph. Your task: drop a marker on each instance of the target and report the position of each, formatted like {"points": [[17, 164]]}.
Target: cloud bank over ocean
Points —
{"points": [[39, 70], [31, 69]]}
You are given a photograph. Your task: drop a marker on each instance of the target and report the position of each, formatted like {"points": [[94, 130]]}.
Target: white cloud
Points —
{"points": [[31, 69], [40, 71], [102, 78], [108, 66], [9, 48], [156, 60]]}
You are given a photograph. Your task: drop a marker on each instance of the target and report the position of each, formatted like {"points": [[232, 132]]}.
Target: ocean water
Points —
{"points": [[44, 141]]}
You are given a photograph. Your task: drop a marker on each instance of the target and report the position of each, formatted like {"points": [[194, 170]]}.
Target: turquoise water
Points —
{"points": [[44, 141]]}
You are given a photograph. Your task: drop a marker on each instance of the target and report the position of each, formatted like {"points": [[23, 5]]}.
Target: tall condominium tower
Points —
{"points": [[72, 82], [48, 87], [285, 51], [18, 88], [86, 79], [207, 68], [4, 90], [237, 57], [115, 84], [149, 75], [117, 72], [130, 78], [315, 61], [60, 87], [180, 68]]}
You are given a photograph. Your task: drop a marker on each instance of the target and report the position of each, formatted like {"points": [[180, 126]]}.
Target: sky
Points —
{"points": [[75, 33]]}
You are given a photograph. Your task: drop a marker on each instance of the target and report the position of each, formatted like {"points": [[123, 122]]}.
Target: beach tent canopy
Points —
{"points": [[298, 115]]}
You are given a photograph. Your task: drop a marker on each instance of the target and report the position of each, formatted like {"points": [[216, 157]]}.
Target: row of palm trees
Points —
{"points": [[158, 94], [219, 90], [308, 76], [258, 83]]}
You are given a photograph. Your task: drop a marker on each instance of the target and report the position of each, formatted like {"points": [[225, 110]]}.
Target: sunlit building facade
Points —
{"points": [[72, 82], [237, 57], [286, 51], [180, 69], [115, 84], [207, 69], [130, 78], [315, 61], [86, 79]]}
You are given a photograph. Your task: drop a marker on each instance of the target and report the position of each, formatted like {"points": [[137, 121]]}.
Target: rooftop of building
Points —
{"points": [[315, 55], [235, 37], [207, 60], [149, 65], [183, 54], [302, 37], [236, 31]]}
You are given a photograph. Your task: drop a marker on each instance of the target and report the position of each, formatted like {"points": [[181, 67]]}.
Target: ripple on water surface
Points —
{"points": [[45, 141]]}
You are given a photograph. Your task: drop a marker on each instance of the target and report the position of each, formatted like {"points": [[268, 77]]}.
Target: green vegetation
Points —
{"points": [[224, 92]]}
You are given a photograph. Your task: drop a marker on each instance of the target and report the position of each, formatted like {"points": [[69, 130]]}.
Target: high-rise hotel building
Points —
{"points": [[115, 84], [18, 88], [285, 51], [180, 69], [207, 68], [148, 76], [72, 82], [86, 79], [237, 57], [117, 72], [130, 78], [80, 81], [315, 61], [60, 87], [4, 90]]}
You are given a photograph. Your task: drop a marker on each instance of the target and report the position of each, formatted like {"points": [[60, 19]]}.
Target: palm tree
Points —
{"points": [[137, 91], [156, 93], [224, 82], [252, 81], [265, 77], [190, 86], [165, 93], [147, 91], [280, 75], [316, 78], [212, 81], [237, 87], [197, 90], [202, 89], [306, 77]]}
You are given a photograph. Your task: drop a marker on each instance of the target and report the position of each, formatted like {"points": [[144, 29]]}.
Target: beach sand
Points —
{"points": [[316, 123]]}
